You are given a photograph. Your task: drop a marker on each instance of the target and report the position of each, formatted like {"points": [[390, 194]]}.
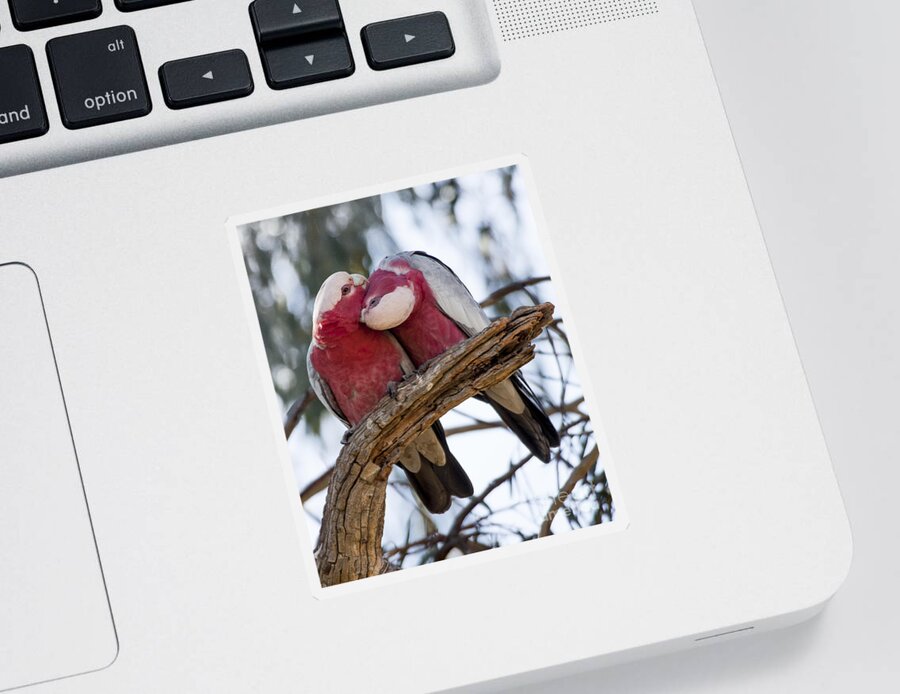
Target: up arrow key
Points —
{"points": [[408, 37], [287, 21]]}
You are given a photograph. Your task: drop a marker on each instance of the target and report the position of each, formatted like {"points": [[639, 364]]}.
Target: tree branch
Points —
{"points": [[578, 473], [349, 544], [508, 289], [295, 412], [317, 485], [453, 535], [568, 408]]}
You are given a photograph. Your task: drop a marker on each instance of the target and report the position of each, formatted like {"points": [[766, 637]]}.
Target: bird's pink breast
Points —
{"points": [[358, 369]]}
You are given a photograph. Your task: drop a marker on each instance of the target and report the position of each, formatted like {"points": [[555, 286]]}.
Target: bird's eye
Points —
{"points": [[374, 302], [345, 290]]}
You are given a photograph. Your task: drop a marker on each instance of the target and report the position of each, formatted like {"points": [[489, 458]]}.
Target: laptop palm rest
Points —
{"points": [[55, 619]]}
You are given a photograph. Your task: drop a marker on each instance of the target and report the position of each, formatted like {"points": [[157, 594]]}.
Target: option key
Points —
{"points": [[99, 77]]}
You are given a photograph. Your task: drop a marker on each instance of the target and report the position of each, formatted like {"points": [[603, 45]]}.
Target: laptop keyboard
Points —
{"points": [[99, 77]]}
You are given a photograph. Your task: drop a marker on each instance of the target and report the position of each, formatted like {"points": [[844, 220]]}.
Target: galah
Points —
{"points": [[428, 309], [351, 367]]}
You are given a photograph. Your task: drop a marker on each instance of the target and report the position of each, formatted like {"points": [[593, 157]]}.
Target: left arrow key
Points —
{"points": [[206, 79]]}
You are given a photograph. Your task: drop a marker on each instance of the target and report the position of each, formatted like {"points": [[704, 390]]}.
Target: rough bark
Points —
{"points": [[349, 544]]}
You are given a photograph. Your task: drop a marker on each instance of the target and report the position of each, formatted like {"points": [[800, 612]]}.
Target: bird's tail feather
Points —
{"points": [[532, 426], [452, 473], [437, 485]]}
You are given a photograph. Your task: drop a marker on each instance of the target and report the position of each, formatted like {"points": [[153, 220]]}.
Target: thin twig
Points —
{"points": [[580, 471], [569, 408], [430, 539], [498, 295], [474, 502], [295, 412], [317, 485]]}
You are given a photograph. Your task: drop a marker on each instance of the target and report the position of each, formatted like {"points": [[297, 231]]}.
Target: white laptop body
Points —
{"points": [[152, 533]]}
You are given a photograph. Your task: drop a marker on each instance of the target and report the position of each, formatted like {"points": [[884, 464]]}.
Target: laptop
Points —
{"points": [[390, 346]]}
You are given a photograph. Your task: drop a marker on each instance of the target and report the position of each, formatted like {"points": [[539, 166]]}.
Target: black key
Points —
{"points": [[296, 64], [37, 14], [98, 77], [407, 41], [131, 5], [205, 79], [22, 111], [284, 19]]}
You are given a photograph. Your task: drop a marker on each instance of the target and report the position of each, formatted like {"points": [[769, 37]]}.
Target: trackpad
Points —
{"points": [[55, 619]]}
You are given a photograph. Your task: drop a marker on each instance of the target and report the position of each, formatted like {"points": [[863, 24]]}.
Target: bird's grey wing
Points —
{"points": [[453, 297], [513, 399], [323, 390]]}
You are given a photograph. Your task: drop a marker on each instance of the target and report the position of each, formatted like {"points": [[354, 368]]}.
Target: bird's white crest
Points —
{"points": [[330, 292], [395, 264], [392, 309]]}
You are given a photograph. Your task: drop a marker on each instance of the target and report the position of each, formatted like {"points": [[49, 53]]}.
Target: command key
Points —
{"points": [[22, 111]]}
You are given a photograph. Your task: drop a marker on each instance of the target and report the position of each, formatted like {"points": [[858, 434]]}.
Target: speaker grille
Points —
{"points": [[522, 19]]}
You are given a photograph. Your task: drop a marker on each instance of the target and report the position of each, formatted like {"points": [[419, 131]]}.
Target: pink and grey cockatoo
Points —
{"points": [[351, 367], [428, 309]]}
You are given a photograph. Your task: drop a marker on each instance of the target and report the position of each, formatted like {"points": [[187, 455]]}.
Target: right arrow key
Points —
{"points": [[408, 40]]}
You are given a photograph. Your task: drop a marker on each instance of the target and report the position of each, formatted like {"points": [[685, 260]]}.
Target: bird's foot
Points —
{"points": [[345, 439]]}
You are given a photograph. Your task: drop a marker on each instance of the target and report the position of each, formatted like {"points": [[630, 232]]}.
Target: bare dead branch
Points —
{"points": [[319, 484], [498, 295], [349, 544], [453, 535], [474, 426], [295, 412], [578, 473], [569, 408], [430, 539]]}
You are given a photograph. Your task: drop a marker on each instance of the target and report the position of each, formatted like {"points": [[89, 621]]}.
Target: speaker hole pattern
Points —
{"points": [[522, 19]]}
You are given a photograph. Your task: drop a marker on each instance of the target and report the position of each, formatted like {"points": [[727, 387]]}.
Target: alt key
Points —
{"points": [[98, 76]]}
